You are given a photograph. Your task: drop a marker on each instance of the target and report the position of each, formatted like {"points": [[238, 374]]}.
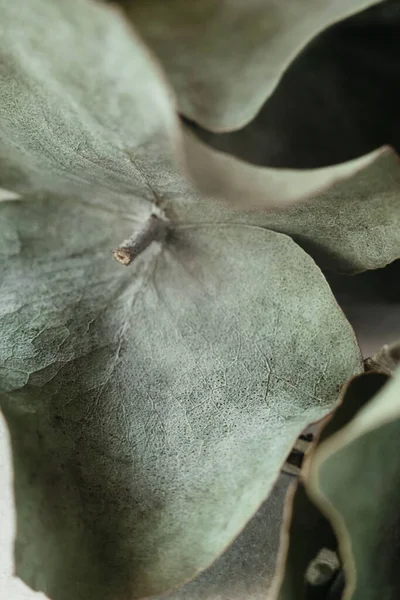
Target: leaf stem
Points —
{"points": [[152, 230]]}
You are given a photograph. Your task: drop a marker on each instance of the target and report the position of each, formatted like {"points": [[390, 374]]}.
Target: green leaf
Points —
{"points": [[83, 107], [355, 225], [354, 479], [336, 101], [225, 58], [306, 531], [85, 111], [352, 227], [150, 408]]}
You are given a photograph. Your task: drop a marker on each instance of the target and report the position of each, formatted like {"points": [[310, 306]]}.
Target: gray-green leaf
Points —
{"points": [[352, 227], [150, 408], [83, 106], [246, 569], [306, 531], [225, 58], [85, 110], [354, 479]]}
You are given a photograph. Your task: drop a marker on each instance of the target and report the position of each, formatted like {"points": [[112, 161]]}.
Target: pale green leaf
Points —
{"points": [[336, 101], [84, 110], [355, 225], [306, 531], [225, 58], [83, 106], [150, 408], [354, 479], [352, 227]]}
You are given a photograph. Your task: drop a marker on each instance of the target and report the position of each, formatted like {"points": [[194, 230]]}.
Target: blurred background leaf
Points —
{"points": [[354, 478], [338, 100], [306, 531]]}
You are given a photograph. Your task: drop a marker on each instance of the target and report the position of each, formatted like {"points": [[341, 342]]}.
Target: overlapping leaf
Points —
{"points": [[225, 58], [354, 226], [363, 458], [85, 110], [151, 408], [336, 101], [83, 107], [306, 530], [351, 227]]}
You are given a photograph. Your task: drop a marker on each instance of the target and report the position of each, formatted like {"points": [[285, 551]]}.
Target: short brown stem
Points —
{"points": [[153, 230]]}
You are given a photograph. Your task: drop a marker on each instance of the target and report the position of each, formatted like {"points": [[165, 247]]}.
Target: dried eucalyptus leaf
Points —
{"points": [[336, 101], [84, 110], [352, 227], [83, 106], [225, 58], [150, 408], [251, 187], [305, 532], [305, 529], [245, 570], [354, 478]]}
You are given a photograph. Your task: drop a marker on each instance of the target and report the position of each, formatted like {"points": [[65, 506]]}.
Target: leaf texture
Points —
{"points": [[85, 110], [246, 568], [151, 408], [336, 101], [83, 107], [351, 227]]}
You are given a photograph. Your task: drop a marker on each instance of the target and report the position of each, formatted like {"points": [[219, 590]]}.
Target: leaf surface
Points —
{"points": [[225, 58], [351, 227], [85, 110], [150, 408], [83, 107], [354, 479]]}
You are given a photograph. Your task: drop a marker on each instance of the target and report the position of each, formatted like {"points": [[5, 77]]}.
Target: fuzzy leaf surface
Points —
{"points": [[247, 567], [85, 110], [351, 227], [336, 101], [83, 107], [150, 408]]}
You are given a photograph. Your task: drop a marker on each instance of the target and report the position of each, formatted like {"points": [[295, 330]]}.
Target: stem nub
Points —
{"points": [[153, 230]]}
